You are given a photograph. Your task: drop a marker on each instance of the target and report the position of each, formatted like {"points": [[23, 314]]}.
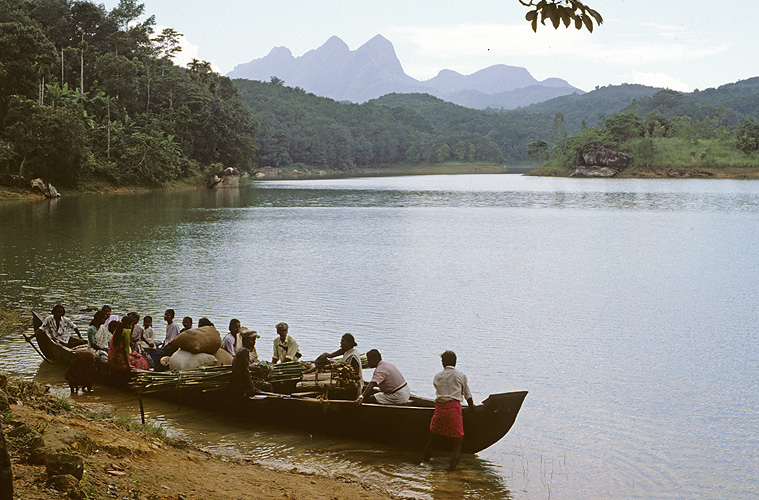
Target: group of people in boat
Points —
{"points": [[124, 344]]}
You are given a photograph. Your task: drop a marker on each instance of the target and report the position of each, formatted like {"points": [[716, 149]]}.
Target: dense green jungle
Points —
{"points": [[91, 97]]}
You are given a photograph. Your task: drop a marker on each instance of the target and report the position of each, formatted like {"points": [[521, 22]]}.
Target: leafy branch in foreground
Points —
{"points": [[561, 11]]}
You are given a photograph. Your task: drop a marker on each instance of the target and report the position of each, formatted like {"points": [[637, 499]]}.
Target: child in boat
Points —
{"points": [[186, 324], [148, 334]]}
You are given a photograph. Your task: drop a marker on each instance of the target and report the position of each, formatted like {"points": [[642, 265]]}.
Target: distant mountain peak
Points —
{"points": [[373, 70], [280, 52], [335, 43], [377, 43]]}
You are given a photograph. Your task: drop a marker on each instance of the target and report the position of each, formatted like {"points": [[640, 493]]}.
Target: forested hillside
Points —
{"points": [[88, 95], [298, 128]]}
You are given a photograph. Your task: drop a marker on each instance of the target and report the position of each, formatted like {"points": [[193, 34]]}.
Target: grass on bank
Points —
{"points": [[672, 157]]}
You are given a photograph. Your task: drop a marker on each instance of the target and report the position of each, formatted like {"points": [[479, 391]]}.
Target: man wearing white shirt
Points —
{"points": [[451, 388]]}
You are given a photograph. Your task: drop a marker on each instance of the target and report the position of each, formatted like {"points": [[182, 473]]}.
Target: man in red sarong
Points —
{"points": [[451, 388]]}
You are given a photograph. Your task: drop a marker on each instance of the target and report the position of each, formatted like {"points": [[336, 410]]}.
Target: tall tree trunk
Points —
{"points": [[61, 65], [81, 67], [108, 129], [147, 75]]}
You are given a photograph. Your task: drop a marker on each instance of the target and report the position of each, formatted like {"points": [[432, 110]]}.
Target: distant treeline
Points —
{"points": [[89, 95]]}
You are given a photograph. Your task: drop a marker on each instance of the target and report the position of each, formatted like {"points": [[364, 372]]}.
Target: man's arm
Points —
{"points": [[367, 390]]}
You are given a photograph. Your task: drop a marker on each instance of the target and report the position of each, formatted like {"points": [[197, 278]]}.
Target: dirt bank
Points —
{"points": [[138, 464]]}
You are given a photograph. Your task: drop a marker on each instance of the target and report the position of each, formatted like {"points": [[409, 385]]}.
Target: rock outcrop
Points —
{"points": [[602, 162], [45, 188], [228, 178]]}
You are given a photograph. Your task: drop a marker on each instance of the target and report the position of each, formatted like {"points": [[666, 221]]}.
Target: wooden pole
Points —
{"points": [[142, 409]]}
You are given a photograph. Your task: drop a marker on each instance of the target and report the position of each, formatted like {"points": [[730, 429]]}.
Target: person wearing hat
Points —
{"points": [[242, 376], [248, 341]]}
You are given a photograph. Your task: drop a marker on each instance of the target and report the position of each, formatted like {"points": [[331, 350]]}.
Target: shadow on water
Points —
{"points": [[393, 470]]}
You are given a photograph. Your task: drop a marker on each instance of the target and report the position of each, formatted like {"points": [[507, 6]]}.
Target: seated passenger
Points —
{"points": [[59, 328], [98, 345], [393, 387], [351, 358], [186, 324], [285, 347], [250, 381], [229, 343]]}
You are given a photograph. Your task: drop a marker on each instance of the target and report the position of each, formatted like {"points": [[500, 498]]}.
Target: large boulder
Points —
{"points": [[68, 484], [45, 188], [594, 172], [228, 178], [63, 463], [602, 162]]}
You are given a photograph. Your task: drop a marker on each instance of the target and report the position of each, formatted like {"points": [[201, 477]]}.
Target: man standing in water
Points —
{"points": [[451, 387]]}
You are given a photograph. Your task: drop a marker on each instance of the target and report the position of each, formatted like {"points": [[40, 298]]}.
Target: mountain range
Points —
{"points": [[373, 70]]}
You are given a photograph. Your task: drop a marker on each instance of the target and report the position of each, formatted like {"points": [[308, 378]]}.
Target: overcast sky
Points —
{"points": [[682, 45]]}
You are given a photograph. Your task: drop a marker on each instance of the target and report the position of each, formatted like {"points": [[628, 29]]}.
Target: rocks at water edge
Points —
{"points": [[47, 189], [228, 178], [602, 162]]}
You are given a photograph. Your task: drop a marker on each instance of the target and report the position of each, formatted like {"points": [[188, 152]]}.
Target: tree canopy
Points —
{"points": [[86, 94]]}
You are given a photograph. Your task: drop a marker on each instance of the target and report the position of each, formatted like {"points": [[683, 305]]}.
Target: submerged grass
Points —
{"points": [[10, 321]]}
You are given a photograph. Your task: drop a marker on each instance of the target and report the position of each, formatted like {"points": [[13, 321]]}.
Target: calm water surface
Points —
{"points": [[626, 307]]}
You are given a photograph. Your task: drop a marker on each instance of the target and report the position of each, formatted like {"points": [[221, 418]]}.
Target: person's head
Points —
{"points": [[113, 325], [107, 310], [347, 341], [448, 358], [373, 357], [169, 315], [234, 325], [135, 316], [282, 329], [204, 322], [187, 322], [58, 310], [127, 321], [249, 338], [99, 318], [147, 321]]}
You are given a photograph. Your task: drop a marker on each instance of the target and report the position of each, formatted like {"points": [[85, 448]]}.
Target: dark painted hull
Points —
{"points": [[404, 426]]}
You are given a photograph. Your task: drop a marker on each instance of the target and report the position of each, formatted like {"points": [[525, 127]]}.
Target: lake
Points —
{"points": [[627, 308]]}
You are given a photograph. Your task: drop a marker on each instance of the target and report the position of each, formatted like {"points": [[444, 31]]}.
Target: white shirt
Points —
{"points": [[450, 384], [229, 342], [287, 349], [172, 330], [60, 333]]}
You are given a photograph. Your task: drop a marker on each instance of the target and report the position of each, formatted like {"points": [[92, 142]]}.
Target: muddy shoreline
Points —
{"points": [[124, 459]]}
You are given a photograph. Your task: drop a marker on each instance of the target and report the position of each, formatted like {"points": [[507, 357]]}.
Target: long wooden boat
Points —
{"points": [[398, 425]]}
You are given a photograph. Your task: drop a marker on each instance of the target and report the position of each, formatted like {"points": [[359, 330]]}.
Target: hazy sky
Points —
{"points": [[668, 43]]}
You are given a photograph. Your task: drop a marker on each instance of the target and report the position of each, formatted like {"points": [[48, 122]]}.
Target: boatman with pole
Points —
{"points": [[451, 387]]}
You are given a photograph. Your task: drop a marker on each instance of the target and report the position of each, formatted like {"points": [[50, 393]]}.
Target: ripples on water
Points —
{"points": [[625, 307]]}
